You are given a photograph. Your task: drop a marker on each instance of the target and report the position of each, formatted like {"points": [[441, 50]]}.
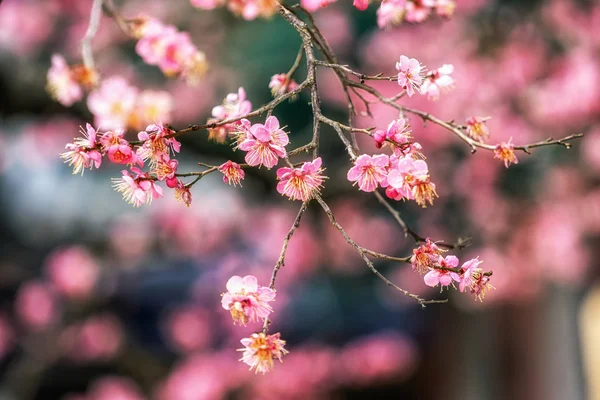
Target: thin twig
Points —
{"points": [[86, 43]]}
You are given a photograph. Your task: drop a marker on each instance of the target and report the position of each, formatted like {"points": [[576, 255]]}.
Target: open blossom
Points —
{"points": [[265, 144], [165, 170], [437, 81], [314, 5], [505, 152], [137, 190], [441, 277], [474, 279], [369, 171], [183, 194], [391, 13], [419, 10], [410, 179], [62, 83], [425, 256], [113, 103], [118, 149], [281, 84], [83, 152], [252, 9], [232, 173], [73, 272], [445, 8], [477, 129], [410, 75], [397, 134], [300, 183], [261, 349], [234, 105], [157, 144], [247, 301], [151, 106]]}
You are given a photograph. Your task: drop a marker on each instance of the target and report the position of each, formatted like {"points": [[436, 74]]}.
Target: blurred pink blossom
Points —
{"points": [[36, 305], [73, 272]]}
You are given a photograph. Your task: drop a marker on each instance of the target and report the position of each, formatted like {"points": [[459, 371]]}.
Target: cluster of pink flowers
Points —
{"points": [[66, 84], [281, 84], [394, 12], [249, 302], [302, 182], [234, 105], [444, 271], [169, 49], [118, 105], [247, 9], [264, 143], [404, 174]]}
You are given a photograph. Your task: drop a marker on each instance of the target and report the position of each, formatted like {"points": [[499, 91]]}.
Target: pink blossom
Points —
{"points": [[281, 84], [207, 4], [97, 338], [437, 81], [114, 388], [165, 170], [118, 149], [300, 183], [314, 5], [62, 83], [369, 171], [261, 349], [410, 75], [362, 5], [265, 144], [113, 103], [418, 10], [233, 174], [251, 9], [137, 190], [410, 178], [425, 256], [151, 106], [445, 8], [234, 105], [390, 13], [441, 277], [183, 194], [189, 329], [477, 129], [474, 279], [83, 152], [73, 272], [158, 142], [36, 305], [505, 152], [247, 301]]}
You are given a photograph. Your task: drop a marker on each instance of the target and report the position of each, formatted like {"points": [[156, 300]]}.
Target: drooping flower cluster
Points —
{"points": [[169, 49], [281, 84], [234, 105], [394, 12], [118, 105], [264, 144], [444, 271], [247, 9], [404, 174], [66, 84], [249, 302], [300, 183]]}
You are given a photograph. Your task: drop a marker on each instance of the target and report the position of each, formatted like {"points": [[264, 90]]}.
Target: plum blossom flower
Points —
{"points": [[62, 83], [232, 173], [208, 4], [477, 129], [281, 84], [437, 81], [300, 183], [261, 349], [36, 305], [425, 256], [397, 134], [410, 75], [73, 272], [265, 144], [369, 171], [157, 142], [183, 194], [151, 106], [83, 152], [390, 13], [505, 152], [234, 105], [419, 10], [441, 277], [247, 301], [474, 279], [165, 170], [314, 5], [137, 190], [445, 8], [113, 103], [252, 9], [410, 179], [362, 5], [118, 149]]}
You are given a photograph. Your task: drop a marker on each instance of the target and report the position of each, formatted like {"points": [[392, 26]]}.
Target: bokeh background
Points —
{"points": [[101, 301]]}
